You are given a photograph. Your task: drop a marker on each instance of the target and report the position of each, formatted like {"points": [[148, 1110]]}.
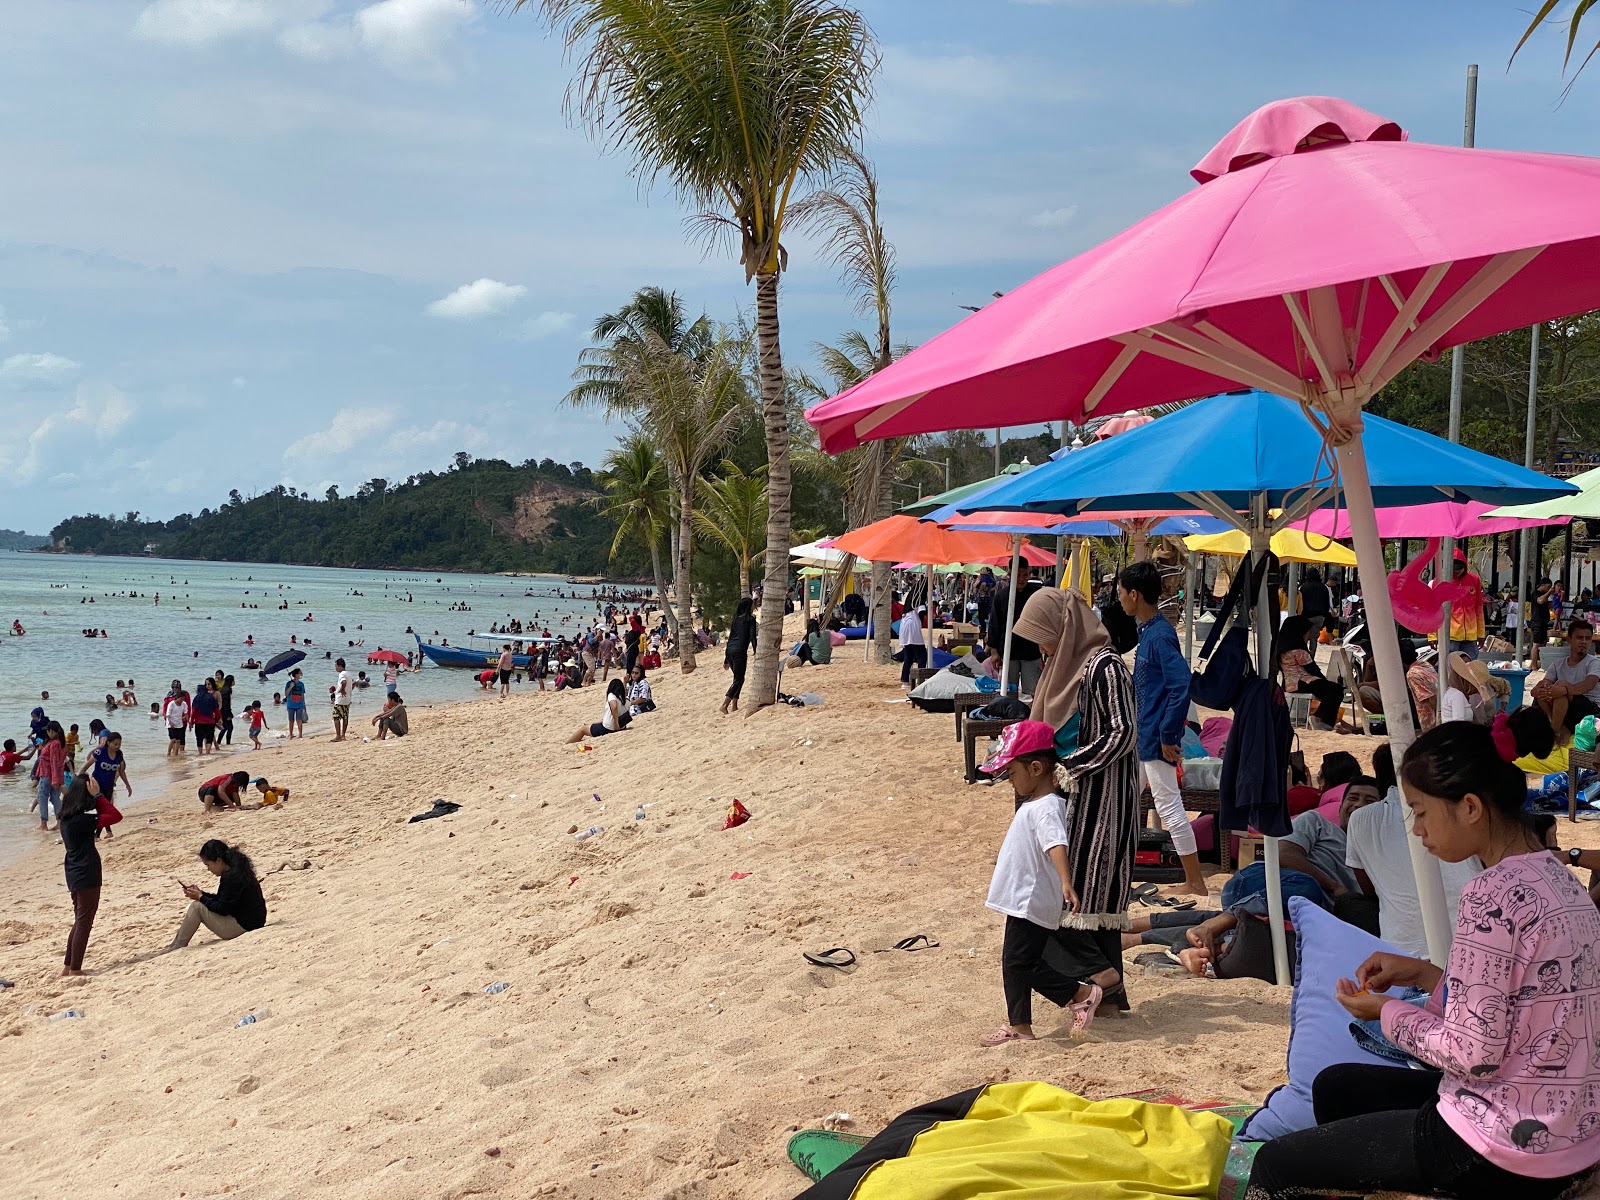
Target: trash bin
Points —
{"points": [[1514, 677]]}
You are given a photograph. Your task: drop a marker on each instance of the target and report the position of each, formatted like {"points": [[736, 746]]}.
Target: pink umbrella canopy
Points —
{"points": [[1118, 425], [1321, 254], [1444, 519]]}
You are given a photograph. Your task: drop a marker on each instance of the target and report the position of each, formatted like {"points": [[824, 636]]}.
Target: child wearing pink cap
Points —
{"points": [[1031, 884]]}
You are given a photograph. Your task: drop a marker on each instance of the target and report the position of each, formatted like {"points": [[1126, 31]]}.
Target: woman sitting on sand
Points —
{"points": [[393, 719], [616, 715], [237, 906], [1510, 1106]]}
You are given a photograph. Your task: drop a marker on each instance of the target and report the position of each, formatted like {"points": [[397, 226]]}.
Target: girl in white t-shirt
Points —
{"points": [[1031, 884]]}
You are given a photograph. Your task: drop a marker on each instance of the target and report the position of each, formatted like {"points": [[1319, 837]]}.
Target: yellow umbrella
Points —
{"points": [[1079, 573], [1290, 545]]}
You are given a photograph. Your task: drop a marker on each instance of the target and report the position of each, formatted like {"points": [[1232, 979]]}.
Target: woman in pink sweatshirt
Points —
{"points": [[1512, 1027]]}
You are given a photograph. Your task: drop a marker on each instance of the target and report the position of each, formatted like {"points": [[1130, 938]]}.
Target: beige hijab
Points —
{"points": [[1061, 621]]}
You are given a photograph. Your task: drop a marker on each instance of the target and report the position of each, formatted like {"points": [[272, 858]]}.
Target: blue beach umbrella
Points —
{"points": [[1239, 457]]}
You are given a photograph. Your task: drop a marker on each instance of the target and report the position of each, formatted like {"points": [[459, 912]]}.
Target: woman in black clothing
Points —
{"points": [[237, 906], [78, 823], [736, 657]]}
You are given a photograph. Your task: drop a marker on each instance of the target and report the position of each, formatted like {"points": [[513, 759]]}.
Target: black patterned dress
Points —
{"points": [[1101, 782]]}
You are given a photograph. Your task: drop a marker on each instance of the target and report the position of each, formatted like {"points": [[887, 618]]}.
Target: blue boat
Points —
{"points": [[466, 656]]}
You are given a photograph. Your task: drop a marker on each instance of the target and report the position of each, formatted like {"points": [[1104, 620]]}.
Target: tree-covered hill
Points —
{"points": [[15, 539], [480, 515]]}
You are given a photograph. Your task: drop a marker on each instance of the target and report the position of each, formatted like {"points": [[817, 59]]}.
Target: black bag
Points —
{"points": [[1001, 708], [1217, 684], [1249, 955], [1154, 859]]}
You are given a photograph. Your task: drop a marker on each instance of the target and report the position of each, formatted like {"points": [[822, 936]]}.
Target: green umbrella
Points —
{"points": [[1586, 504], [928, 503]]}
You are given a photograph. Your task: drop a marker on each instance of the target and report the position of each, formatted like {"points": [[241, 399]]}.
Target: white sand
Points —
{"points": [[662, 1034]]}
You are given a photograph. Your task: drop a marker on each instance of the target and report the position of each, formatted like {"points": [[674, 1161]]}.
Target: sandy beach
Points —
{"points": [[661, 1035]]}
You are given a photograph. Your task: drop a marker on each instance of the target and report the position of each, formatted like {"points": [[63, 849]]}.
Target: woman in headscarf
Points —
{"points": [[1085, 677]]}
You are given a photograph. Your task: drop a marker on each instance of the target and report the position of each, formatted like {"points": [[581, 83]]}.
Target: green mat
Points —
{"points": [[820, 1151], [817, 1152]]}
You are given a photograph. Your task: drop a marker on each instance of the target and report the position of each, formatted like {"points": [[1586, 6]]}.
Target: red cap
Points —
{"points": [[1025, 737]]}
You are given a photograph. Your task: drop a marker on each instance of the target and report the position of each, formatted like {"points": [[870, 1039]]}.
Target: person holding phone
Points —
{"points": [[236, 907]]}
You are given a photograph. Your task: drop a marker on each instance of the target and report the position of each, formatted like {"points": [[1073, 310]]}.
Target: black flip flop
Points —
{"points": [[839, 957], [1144, 893], [917, 941], [1174, 903]]}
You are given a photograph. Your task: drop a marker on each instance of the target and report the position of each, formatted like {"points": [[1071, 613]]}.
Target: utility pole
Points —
{"points": [[1458, 367]]}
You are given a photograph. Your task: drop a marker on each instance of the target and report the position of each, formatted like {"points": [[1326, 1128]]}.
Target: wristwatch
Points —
{"points": [[1573, 855]]}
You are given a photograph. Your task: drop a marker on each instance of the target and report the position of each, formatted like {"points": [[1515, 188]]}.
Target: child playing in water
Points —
{"points": [[258, 722], [1511, 1106], [1031, 884]]}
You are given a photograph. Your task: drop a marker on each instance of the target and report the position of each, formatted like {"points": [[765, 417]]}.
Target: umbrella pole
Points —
{"points": [[1188, 608], [1011, 615], [1391, 678], [1443, 571], [927, 629], [1260, 538]]}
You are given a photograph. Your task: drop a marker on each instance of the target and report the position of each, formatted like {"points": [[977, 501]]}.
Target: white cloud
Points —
{"points": [[349, 429], [98, 410], [407, 35], [22, 369], [480, 298], [1054, 218], [546, 324], [195, 24]]}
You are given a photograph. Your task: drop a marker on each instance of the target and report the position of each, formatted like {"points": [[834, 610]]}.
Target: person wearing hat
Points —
{"points": [[1469, 696], [1466, 614], [1032, 885], [913, 646], [1570, 689]]}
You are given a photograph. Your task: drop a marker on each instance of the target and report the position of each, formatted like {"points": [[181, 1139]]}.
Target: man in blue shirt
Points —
{"points": [[1161, 692]]}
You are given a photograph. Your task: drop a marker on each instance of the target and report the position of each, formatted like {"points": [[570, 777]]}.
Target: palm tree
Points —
{"points": [[1580, 8], [737, 103], [733, 512], [848, 216], [690, 408], [638, 497], [652, 311]]}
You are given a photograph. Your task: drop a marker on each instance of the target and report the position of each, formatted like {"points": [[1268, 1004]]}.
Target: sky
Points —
{"points": [[252, 242]]}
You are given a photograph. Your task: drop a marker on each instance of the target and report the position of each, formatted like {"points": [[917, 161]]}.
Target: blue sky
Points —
{"points": [[245, 242]]}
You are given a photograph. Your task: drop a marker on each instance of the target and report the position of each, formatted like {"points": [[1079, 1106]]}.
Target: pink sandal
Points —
{"points": [[1003, 1035], [1083, 1010]]}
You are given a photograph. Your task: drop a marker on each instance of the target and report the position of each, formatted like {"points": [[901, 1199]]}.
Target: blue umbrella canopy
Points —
{"points": [[282, 662], [1230, 453], [1167, 527]]}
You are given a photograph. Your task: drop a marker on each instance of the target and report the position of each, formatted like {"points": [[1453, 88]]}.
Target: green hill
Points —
{"points": [[480, 515], [15, 539]]}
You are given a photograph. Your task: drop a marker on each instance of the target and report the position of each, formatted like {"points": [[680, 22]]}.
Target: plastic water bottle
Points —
{"points": [[260, 1014], [639, 813], [592, 831], [494, 989], [68, 1014]]}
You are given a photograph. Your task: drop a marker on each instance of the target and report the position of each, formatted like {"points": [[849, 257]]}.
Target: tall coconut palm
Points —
{"points": [[848, 216], [651, 311], [690, 408], [638, 497], [737, 104], [733, 512]]}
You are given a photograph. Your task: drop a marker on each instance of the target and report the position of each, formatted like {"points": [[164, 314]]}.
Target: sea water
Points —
{"points": [[207, 610]]}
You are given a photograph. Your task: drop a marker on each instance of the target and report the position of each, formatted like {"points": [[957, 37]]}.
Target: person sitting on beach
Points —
{"points": [[393, 719], [270, 795], [1032, 885], [640, 697], [236, 907], [1301, 675], [1571, 682], [1510, 1103], [223, 791], [615, 718]]}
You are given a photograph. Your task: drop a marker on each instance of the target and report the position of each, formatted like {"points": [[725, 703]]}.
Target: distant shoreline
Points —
{"points": [[578, 580]]}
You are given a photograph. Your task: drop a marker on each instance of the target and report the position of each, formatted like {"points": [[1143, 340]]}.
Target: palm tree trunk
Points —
{"points": [[661, 588], [685, 590], [775, 423], [744, 576]]}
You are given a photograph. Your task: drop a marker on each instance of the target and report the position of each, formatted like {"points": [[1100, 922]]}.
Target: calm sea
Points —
{"points": [[206, 613]]}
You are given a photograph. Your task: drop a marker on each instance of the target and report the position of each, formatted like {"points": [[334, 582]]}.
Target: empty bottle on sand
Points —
{"points": [[260, 1014], [494, 989], [639, 814], [68, 1014], [592, 831]]}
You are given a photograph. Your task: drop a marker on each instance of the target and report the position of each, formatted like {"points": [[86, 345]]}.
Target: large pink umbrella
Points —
{"points": [[1444, 519], [1321, 254]]}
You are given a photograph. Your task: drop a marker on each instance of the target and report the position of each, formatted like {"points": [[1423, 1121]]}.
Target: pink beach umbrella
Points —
{"points": [[1444, 519], [1118, 425], [1321, 254]]}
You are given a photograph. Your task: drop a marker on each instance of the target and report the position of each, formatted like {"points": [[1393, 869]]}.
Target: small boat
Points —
{"points": [[471, 656]]}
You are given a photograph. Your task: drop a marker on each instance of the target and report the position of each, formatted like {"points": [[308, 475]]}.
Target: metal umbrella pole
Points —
{"points": [[1260, 544], [1527, 460], [1011, 615]]}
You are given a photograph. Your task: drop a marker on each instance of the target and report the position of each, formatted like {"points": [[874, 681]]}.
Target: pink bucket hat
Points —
{"points": [[1025, 737]]}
